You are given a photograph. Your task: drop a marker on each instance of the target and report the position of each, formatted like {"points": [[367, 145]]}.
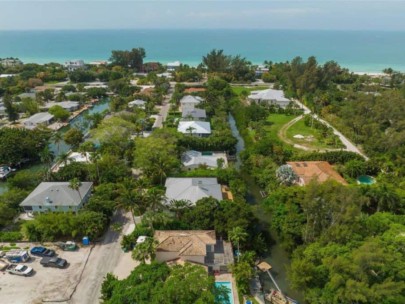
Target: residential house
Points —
{"points": [[138, 103], [270, 96], [193, 114], [192, 189], [318, 170], [42, 118], [57, 197], [172, 66], [31, 95], [189, 102], [193, 159], [194, 246], [73, 65], [67, 105], [196, 128], [260, 70], [10, 62], [73, 157]]}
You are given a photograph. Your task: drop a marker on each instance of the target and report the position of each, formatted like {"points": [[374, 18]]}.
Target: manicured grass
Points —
{"points": [[316, 141], [277, 120], [238, 90]]}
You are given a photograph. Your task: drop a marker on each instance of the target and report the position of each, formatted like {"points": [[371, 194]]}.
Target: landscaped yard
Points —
{"points": [[278, 121], [309, 137]]}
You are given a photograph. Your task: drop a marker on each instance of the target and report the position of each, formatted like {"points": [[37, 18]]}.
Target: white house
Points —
{"points": [[42, 118], [193, 114], [73, 65], [189, 102], [193, 159], [138, 103], [270, 96], [192, 189], [67, 105], [57, 197], [196, 128], [172, 66]]}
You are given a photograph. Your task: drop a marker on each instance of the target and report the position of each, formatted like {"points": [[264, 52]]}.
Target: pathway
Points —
{"points": [[164, 109]]}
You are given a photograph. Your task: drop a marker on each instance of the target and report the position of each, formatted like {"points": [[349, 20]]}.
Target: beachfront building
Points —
{"points": [[67, 105], [10, 62], [173, 66], [57, 197], [194, 246], [42, 118], [321, 171], [270, 97], [194, 159], [73, 65], [195, 128], [192, 189], [189, 102], [138, 103], [193, 114]]}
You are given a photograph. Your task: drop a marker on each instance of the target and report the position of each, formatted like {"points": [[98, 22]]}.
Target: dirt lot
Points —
{"points": [[47, 283]]}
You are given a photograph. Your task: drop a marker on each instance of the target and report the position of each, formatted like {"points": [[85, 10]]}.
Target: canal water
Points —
{"points": [[277, 257], [79, 122]]}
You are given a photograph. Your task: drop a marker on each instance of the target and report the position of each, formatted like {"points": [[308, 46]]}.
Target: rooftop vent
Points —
{"points": [[48, 200]]}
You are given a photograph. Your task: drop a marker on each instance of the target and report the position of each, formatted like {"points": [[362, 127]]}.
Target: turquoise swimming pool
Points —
{"points": [[230, 293], [365, 180]]}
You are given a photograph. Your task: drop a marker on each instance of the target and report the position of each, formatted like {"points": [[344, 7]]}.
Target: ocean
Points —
{"points": [[360, 51]]}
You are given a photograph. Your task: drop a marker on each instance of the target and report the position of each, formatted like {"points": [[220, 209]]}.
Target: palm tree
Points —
{"points": [[155, 197], [75, 184], [94, 158], [57, 139], [190, 129], [179, 207], [63, 158], [47, 157], [151, 217], [127, 196], [145, 250], [237, 235]]}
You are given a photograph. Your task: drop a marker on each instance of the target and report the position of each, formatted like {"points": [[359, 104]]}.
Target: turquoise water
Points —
{"points": [[230, 293], [364, 51], [365, 180]]}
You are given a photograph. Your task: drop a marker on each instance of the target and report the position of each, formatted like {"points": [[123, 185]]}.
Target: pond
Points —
{"points": [[277, 257]]}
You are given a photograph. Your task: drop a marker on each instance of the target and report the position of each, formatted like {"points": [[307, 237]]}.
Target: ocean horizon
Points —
{"points": [[359, 51]]}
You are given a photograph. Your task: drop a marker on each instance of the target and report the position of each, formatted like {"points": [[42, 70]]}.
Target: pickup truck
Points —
{"points": [[19, 269], [53, 262]]}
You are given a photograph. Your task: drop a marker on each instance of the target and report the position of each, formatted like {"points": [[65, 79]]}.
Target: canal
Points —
{"points": [[80, 122], [276, 256]]}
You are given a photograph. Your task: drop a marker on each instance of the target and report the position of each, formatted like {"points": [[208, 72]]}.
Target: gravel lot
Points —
{"points": [[47, 283], [80, 282]]}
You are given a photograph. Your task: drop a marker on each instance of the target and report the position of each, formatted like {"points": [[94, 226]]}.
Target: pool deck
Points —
{"points": [[227, 277]]}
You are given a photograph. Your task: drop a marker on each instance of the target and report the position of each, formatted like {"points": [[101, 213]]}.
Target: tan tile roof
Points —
{"points": [[319, 170], [185, 242], [194, 90]]}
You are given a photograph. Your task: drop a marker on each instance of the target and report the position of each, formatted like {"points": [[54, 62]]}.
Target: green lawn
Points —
{"points": [[277, 120], [315, 140]]}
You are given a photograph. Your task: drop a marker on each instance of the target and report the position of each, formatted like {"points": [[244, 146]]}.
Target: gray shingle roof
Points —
{"points": [[270, 94], [191, 99], [56, 194], [194, 113], [192, 189], [196, 127], [39, 118]]}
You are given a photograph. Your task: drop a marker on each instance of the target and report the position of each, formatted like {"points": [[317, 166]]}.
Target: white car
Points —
{"points": [[19, 269]]}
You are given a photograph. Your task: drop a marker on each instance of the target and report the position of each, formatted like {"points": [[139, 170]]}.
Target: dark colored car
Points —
{"points": [[54, 262], [42, 252]]}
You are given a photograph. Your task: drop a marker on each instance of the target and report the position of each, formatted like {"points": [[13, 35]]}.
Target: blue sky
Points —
{"points": [[189, 14]]}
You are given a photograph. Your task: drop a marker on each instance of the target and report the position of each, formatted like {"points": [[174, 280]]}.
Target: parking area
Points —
{"points": [[47, 284]]}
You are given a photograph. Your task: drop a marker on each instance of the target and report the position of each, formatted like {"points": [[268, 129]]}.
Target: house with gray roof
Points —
{"points": [[42, 118], [193, 159], [67, 105], [196, 128], [57, 197], [192, 189], [193, 114], [189, 102], [270, 96], [138, 103]]}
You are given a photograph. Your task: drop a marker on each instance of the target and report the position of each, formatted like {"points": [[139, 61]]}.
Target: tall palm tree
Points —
{"points": [[57, 139], [94, 158], [155, 197], [190, 130], [145, 251], [75, 184], [63, 158], [179, 207], [151, 217], [47, 157], [237, 235]]}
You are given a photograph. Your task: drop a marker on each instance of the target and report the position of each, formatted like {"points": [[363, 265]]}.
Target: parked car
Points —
{"points": [[42, 252], [19, 269], [17, 256], [53, 262], [68, 246]]}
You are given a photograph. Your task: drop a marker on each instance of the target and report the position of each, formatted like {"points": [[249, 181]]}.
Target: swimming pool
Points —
{"points": [[365, 180], [230, 293]]}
